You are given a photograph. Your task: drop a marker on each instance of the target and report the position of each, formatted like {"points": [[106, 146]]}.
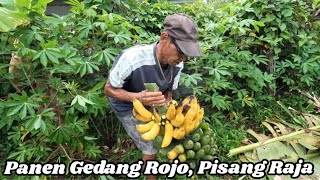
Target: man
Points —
{"points": [[159, 63]]}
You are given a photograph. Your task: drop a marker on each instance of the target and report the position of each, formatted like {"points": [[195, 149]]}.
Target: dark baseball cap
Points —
{"points": [[185, 31]]}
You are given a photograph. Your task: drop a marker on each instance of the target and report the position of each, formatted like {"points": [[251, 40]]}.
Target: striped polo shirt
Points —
{"points": [[134, 67]]}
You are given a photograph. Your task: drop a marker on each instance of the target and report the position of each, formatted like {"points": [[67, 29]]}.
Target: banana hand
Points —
{"points": [[142, 128], [150, 135], [140, 109]]}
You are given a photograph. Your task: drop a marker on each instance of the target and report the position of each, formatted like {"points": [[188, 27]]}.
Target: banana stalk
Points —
{"points": [[153, 87]]}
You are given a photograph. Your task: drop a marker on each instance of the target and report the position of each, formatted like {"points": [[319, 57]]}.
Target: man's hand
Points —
{"points": [[152, 98]]}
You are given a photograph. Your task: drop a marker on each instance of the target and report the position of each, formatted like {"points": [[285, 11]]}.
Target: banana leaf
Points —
{"points": [[287, 142], [15, 13]]}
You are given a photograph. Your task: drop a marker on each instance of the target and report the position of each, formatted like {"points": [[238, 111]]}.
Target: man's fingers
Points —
{"points": [[153, 94], [153, 98], [154, 101], [158, 103]]}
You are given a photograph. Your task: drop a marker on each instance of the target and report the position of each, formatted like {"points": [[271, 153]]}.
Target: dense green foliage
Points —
{"points": [[53, 107]]}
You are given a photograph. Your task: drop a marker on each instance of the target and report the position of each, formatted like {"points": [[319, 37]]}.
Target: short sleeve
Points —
{"points": [[120, 71]]}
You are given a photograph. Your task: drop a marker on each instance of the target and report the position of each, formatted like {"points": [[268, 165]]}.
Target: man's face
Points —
{"points": [[174, 54]]}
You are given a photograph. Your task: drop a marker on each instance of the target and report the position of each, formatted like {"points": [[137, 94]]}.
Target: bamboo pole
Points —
{"points": [[242, 149]]}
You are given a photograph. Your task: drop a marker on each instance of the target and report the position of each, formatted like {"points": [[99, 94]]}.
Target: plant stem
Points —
{"points": [[95, 126], [65, 152], [239, 150], [52, 154], [153, 87], [25, 73], [54, 96], [15, 86]]}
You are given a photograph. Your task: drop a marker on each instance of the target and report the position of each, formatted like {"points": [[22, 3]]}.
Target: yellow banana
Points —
{"points": [[179, 133], [172, 154], [150, 135], [171, 112], [197, 107], [138, 106], [168, 131], [178, 120], [182, 108], [182, 157], [199, 115], [179, 109], [188, 126], [142, 128], [186, 100], [175, 133], [139, 117], [198, 119], [157, 117], [190, 115], [197, 123], [193, 101]]}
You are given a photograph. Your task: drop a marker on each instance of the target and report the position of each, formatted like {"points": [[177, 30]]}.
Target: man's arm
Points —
{"points": [[147, 98]]}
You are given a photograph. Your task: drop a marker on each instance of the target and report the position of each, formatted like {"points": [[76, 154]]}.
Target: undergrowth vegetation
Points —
{"points": [[52, 105]]}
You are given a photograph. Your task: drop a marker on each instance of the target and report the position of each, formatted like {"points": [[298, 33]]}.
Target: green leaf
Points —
{"points": [[302, 42], [43, 126], [30, 109], [37, 123], [37, 55], [286, 12], [53, 55], [89, 68], [120, 37], [75, 99], [84, 28], [259, 23], [60, 134], [107, 55], [81, 101], [29, 35], [282, 26], [86, 100], [98, 86], [23, 113], [14, 154], [43, 59], [14, 110], [111, 17], [219, 101], [256, 25], [9, 4], [256, 28], [9, 19], [14, 13], [83, 70]]}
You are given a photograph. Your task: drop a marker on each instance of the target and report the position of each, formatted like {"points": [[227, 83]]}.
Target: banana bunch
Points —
{"points": [[188, 116], [151, 128], [153, 122], [178, 120]]}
